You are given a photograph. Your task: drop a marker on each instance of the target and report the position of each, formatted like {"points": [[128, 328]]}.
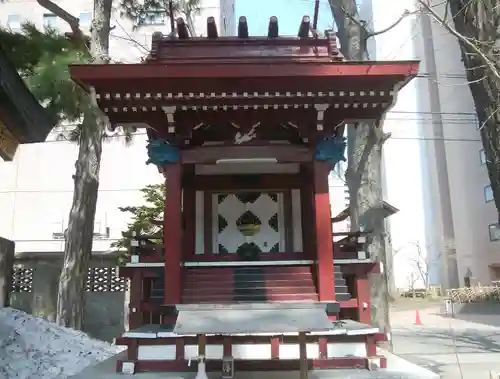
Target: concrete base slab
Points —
{"points": [[401, 370]]}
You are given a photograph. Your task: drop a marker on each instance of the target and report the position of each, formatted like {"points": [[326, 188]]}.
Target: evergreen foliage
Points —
{"points": [[142, 216], [42, 59]]}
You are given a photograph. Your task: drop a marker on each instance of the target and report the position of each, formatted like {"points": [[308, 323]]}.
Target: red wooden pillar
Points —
{"points": [[324, 237], [188, 213], [172, 233]]}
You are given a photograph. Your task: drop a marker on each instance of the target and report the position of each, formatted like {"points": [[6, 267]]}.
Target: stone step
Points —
{"points": [[256, 297], [210, 291], [248, 282]]}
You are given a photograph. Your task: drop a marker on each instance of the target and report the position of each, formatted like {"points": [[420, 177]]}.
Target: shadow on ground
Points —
{"points": [[487, 313], [439, 350]]}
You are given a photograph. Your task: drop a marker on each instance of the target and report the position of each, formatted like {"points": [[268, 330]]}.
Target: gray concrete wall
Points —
{"points": [[35, 292]]}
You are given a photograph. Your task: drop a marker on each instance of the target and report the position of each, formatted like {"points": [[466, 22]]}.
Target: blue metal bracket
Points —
{"points": [[160, 153], [331, 149]]}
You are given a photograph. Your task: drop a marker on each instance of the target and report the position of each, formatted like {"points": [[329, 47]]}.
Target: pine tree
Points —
{"points": [[45, 67], [145, 218]]}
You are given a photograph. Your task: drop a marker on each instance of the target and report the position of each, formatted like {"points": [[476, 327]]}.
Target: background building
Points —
{"points": [[434, 163]]}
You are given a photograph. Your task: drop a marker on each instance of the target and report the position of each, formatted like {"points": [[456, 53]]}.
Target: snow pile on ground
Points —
{"points": [[31, 347]]}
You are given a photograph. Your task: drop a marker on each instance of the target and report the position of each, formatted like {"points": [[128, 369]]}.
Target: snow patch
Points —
{"points": [[33, 348]]}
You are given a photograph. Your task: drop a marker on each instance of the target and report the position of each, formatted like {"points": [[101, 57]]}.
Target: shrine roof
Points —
{"points": [[22, 118], [251, 318], [242, 64], [185, 83]]}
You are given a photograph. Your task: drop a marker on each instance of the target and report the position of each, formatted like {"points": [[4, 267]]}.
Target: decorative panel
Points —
{"points": [[263, 208], [22, 279]]}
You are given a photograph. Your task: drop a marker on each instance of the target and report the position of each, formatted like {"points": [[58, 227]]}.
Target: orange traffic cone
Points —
{"points": [[417, 318]]}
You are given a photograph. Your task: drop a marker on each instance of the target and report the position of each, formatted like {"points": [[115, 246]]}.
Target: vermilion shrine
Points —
{"points": [[246, 131]]}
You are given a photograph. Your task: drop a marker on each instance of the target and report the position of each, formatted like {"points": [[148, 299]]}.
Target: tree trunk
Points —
{"points": [[79, 236], [479, 21], [364, 180], [364, 166]]}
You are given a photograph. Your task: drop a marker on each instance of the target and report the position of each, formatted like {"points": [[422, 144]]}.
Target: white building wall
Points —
{"points": [[36, 189], [443, 216]]}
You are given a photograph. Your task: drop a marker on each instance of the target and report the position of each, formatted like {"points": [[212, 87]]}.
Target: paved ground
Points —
{"points": [[467, 346], [106, 370]]}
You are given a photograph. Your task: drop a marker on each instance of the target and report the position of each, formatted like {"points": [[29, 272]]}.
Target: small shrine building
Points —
{"points": [[246, 131]]}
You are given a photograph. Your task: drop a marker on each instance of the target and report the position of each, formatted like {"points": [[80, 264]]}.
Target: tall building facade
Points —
{"points": [[36, 189], [446, 232]]}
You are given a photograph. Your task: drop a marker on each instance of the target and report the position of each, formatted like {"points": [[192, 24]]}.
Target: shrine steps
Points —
{"points": [[250, 284]]}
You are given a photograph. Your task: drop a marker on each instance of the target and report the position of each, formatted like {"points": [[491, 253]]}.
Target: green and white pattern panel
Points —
{"points": [[264, 208]]}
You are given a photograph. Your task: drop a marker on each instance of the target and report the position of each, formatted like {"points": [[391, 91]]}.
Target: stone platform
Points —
{"points": [[402, 370]]}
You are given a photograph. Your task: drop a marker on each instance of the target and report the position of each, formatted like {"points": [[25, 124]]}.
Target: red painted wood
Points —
{"points": [[189, 213], [307, 211], [371, 346], [226, 299], [172, 232], [91, 74], [324, 242], [252, 365], [179, 350], [363, 296], [135, 317], [227, 347], [275, 348], [383, 362], [323, 347]]}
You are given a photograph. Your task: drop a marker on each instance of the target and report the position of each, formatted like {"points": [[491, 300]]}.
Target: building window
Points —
{"points": [[49, 20], [152, 18], [494, 231], [482, 156], [85, 19], [488, 193], [14, 21]]}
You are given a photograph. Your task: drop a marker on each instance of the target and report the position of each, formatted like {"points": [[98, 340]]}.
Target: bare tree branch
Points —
{"points": [[405, 14], [467, 41], [64, 15]]}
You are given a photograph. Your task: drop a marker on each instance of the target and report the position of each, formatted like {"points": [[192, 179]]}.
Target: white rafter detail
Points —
{"points": [[97, 96], [117, 95]]}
